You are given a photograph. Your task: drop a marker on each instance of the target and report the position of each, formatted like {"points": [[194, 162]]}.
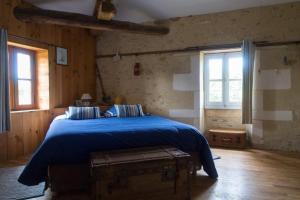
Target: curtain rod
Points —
{"points": [[200, 48]]}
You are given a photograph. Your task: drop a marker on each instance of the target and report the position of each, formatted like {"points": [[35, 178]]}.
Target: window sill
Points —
{"points": [[27, 111], [222, 108]]}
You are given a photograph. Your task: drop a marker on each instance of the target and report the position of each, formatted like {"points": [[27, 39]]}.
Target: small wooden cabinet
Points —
{"points": [[142, 174], [227, 138]]}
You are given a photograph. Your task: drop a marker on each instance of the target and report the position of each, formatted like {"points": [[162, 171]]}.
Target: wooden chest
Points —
{"points": [[144, 173], [227, 138]]}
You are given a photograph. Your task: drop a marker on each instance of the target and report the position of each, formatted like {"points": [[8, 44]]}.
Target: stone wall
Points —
{"points": [[277, 98], [158, 85], [226, 119]]}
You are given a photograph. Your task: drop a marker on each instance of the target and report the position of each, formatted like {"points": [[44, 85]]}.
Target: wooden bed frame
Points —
{"points": [[65, 178]]}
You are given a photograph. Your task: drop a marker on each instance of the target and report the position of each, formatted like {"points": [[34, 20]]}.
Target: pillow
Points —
{"points": [[67, 114], [78, 113], [129, 110], [111, 112]]}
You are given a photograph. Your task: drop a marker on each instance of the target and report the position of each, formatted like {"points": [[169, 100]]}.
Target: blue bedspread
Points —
{"points": [[70, 142]]}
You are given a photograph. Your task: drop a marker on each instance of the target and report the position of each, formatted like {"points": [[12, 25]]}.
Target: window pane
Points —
{"points": [[23, 65], [215, 91], [235, 91], [235, 68], [215, 68], [24, 89]]}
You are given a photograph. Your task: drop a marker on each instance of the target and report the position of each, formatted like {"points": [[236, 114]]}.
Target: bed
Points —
{"points": [[69, 142]]}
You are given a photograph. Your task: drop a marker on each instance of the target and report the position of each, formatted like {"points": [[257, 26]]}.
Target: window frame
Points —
{"points": [[224, 104], [13, 74]]}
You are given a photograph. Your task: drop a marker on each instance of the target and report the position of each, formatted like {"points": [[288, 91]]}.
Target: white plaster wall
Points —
{"points": [[274, 79]]}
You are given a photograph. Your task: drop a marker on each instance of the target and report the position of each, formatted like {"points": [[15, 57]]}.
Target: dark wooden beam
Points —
{"points": [[188, 49], [203, 48], [96, 9], [83, 21]]}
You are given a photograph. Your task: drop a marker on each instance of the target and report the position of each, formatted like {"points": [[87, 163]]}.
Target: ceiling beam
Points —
{"points": [[83, 21], [96, 9]]}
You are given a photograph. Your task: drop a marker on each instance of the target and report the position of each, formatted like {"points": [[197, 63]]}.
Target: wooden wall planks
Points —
{"points": [[27, 132], [66, 83]]}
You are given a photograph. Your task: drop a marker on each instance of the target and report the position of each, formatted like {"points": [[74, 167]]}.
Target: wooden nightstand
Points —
{"points": [[227, 138], [104, 108]]}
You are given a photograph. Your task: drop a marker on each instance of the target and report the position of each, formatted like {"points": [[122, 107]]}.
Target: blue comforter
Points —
{"points": [[70, 142]]}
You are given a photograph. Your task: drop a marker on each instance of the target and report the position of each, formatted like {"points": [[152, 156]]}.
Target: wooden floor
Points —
{"points": [[243, 175], [253, 175]]}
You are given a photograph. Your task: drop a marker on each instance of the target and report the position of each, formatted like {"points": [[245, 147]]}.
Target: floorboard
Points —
{"points": [[243, 175]]}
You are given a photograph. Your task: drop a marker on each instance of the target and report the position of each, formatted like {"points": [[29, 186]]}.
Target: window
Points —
{"points": [[223, 80], [22, 78]]}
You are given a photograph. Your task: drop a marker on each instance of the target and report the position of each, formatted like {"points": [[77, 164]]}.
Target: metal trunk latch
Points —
{"points": [[168, 173]]}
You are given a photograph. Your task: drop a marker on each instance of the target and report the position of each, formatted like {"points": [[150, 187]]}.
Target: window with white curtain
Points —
{"points": [[223, 80]]}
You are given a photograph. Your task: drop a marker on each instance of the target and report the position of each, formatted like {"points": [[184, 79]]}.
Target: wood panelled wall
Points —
{"points": [[66, 83]]}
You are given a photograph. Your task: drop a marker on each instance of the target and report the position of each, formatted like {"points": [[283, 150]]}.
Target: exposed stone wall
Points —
{"points": [[273, 23], [226, 119], [155, 86], [277, 104]]}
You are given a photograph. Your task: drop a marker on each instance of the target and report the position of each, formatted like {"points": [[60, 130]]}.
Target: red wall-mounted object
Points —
{"points": [[137, 69]]}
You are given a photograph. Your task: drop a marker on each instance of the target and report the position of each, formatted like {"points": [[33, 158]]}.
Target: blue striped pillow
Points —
{"points": [[111, 112], [129, 110], [79, 113]]}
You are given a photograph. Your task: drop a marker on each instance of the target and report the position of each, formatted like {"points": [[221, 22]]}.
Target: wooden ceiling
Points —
{"points": [[32, 14]]}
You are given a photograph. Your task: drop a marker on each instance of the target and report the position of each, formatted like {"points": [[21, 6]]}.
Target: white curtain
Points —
{"points": [[4, 84], [248, 50], [256, 131]]}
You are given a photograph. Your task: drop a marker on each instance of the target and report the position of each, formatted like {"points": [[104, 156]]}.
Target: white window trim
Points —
{"points": [[225, 104]]}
